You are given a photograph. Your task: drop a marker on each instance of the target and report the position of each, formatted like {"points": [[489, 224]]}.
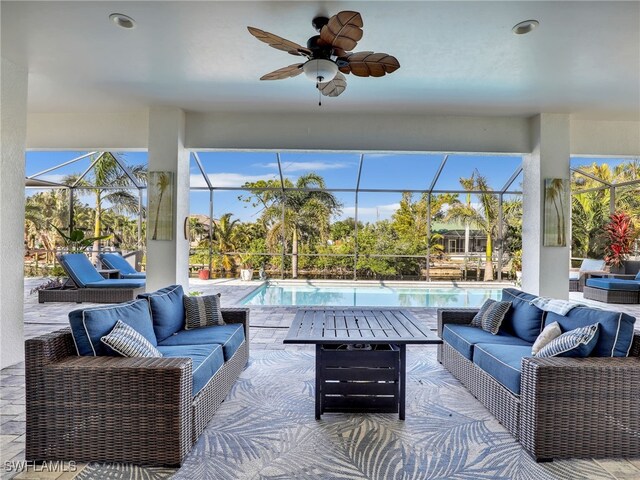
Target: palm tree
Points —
{"points": [[467, 184], [162, 185], [307, 213], [225, 235], [107, 173], [554, 193], [484, 218]]}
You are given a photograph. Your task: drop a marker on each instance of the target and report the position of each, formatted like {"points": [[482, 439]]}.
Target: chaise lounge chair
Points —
{"points": [[578, 276], [613, 289], [116, 261], [90, 286]]}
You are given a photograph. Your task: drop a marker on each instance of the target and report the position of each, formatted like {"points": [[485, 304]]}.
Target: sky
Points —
{"points": [[339, 170]]}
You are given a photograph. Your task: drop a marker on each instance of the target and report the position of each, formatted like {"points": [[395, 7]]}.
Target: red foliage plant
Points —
{"points": [[620, 236]]}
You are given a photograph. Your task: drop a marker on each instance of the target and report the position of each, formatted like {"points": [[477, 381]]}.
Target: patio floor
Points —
{"points": [[268, 329]]}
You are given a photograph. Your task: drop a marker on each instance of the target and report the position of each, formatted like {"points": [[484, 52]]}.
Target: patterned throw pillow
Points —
{"points": [[493, 317], [477, 320], [550, 332], [575, 343], [127, 342], [202, 311]]}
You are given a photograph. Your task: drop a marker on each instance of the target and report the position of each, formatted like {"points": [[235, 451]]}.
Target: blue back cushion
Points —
{"points": [[113, 260], [638, 276], [523, 319], [616, 329], [167, 310], [88, 325], [80, 268]]}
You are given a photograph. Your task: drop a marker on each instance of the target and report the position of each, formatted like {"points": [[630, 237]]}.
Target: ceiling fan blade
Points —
{"points": [[369, 64], [343, 30], [279, 43], [285, 72], [335, 87]]}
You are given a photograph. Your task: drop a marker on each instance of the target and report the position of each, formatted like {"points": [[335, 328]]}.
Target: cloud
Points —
{"points": [[229, 179], [304, 166]]}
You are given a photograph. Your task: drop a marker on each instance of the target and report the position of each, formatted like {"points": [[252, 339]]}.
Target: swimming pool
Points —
{"points": [[275, 294]]}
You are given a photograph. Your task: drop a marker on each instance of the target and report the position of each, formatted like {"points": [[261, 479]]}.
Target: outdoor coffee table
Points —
{"points": [[360, 356]]}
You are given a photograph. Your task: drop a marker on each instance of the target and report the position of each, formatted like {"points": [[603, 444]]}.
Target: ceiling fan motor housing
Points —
{"points": [[319, 22], [318, 49]]}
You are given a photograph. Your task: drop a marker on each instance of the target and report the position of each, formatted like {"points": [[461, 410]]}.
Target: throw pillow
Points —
{"points": [[477, 320], [202, 311], [574, 343], [549, 333], [493, 317], [127, 342]]}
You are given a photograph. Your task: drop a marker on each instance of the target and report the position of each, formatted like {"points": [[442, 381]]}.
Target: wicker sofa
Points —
{"points": [[564, 407], [135, 410]]}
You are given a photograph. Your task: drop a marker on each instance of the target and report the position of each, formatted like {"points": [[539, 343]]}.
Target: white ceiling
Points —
{"points": [[456, 57]]}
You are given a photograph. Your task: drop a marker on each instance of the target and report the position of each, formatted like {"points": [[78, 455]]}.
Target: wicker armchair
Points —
{"points": [[567, 407], [115, 409]]}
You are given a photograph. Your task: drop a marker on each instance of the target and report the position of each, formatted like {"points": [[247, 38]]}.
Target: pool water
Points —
{"points": [[275, 294]]}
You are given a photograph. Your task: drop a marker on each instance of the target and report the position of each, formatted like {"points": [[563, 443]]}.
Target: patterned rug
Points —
{"points": [[266, 430]]}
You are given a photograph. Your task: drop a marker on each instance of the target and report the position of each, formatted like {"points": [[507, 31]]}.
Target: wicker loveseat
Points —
{"points": [[135, 410], [557, 407]]}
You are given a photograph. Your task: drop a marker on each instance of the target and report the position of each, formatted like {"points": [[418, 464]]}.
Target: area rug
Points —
{"points": [[266, 429]]}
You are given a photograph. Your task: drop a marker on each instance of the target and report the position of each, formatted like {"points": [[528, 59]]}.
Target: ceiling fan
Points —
{"points": [[329, 53]]}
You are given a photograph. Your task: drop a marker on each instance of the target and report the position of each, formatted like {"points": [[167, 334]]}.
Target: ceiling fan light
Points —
{"points": [[320, 70]]}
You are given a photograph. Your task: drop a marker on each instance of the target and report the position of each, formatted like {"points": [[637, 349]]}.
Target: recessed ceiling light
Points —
{"points": [[122, 20], [525, 27]]}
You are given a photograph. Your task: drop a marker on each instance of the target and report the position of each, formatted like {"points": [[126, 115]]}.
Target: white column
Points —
{"points": [[13, 129], [168, 260], [545, 270]]}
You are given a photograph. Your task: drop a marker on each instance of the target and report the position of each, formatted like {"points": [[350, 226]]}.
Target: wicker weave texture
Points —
{"points": [[498, 400], [611, 296], [213, 394], [114, 409], [92, 295], [105, 408], [586, 407]]}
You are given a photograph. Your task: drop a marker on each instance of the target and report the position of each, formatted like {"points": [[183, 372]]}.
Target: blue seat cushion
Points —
{"points": [[116, 283], [167, 310], [79, 268], [130, 276], [118, 262], [88, 325], [523, 319], [464, 337], [207, 360], [614, 284], [229, 336], [616, 328], [502, 362]]}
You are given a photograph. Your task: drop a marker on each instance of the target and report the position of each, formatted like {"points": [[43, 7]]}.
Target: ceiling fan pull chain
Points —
{"points": [[319, 96]]}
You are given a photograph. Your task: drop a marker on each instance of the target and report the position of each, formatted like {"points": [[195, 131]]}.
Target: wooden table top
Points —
{"points": [[357, 325]]}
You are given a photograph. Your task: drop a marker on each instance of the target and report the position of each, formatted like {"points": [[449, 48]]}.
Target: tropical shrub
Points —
{"points": [[620, 235]]}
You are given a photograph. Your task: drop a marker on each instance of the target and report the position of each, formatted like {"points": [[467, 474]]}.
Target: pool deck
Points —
{"points": [[269, 327]]}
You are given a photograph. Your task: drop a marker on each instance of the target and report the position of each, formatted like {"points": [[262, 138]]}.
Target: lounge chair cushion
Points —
{"points": [[616, 328], [131, 276], [116, 283], [502, 362], [464, 337], [118, 262], [230, 337], [89, 325], [79, 268], [207, 360], [523, 319], [167, 310], [614, 284]]}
